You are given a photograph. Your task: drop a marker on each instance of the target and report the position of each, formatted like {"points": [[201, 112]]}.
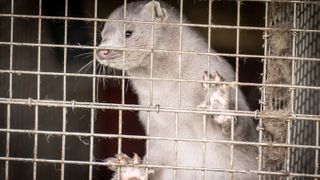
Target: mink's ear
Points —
{"points": [[160, 14]]}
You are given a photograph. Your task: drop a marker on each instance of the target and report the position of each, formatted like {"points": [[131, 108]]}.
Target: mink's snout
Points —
{"points": [[103, 53]]}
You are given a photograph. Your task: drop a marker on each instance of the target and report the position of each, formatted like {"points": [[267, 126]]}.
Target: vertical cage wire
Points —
{"points": [[146, 159], [64, 111], [10, 94], [36, 123], [120, 118], [236, 88], [176, 143], [263, 93], [204, 118], [293, 67], [94, 94]]}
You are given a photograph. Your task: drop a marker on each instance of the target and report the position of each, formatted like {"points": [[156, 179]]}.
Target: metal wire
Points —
{"points": [[303, 124], [167, 167], [10, 94], [156, 108], [160, 23], [35, 147], [64, 110], [93, 111], [249, 56]]}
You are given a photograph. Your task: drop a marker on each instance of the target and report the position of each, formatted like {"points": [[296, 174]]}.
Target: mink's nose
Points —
{"points": [[103, 53]]}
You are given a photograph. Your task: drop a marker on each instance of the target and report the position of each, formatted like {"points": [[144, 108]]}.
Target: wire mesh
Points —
{"points": [[306, 101], [25, 110]]}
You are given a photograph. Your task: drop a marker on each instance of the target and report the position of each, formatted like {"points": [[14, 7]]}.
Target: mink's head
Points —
{"points": [[131, 33]]}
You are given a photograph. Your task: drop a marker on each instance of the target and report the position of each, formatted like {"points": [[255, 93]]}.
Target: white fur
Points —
{"points": [[165, 94], [112, 42]]}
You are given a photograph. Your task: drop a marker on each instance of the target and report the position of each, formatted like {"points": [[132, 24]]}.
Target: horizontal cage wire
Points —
{"points": [[66, 113]]}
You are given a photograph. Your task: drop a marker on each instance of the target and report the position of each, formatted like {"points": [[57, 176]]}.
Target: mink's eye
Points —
{"points": [[128, 33]]}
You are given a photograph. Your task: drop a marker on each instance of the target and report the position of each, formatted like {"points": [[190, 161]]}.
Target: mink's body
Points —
{"points": [[166, 93]]}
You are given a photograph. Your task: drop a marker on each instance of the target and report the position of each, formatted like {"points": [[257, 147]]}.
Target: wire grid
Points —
{"points": [[305, 130]]}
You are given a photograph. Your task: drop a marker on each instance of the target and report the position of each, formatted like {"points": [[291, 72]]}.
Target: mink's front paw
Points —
{"points": [[217, 96], [128, 169]]}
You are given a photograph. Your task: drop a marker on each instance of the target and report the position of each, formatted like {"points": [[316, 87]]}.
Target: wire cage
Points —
{"points": [[62, 113]]}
